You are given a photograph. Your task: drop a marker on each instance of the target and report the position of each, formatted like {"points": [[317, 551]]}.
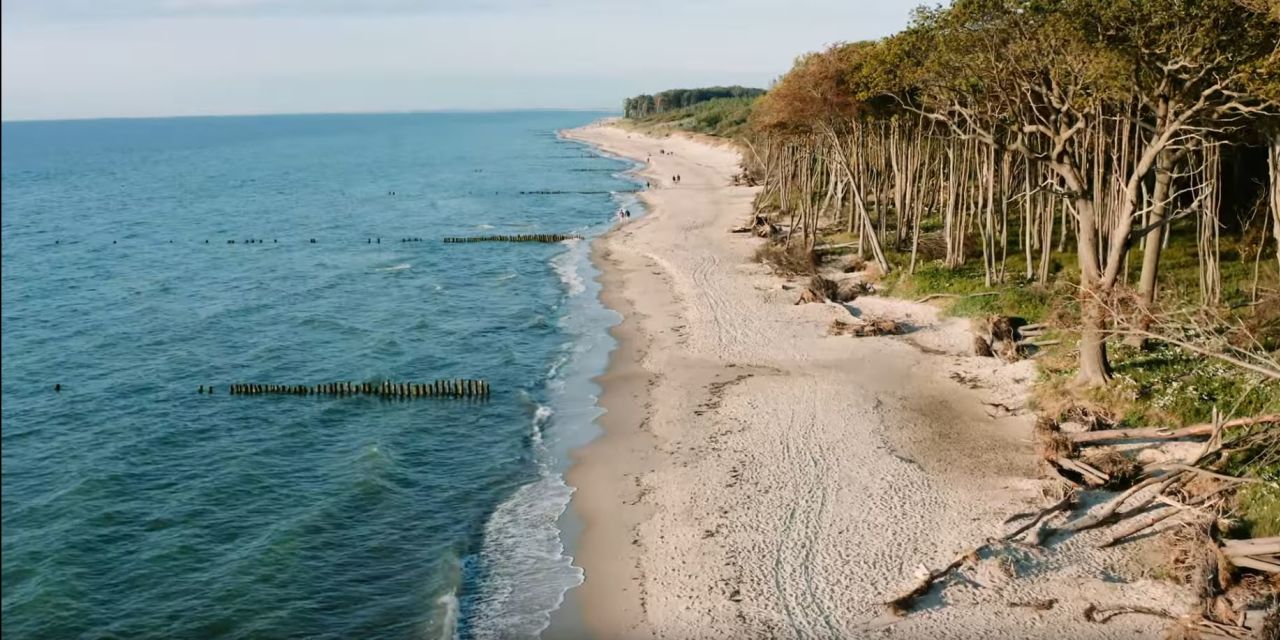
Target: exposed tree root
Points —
{"points": [[1103, 615], [902, 605]]}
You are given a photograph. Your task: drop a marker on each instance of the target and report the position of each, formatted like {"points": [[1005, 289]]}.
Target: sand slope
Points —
{"points": [[758, 478]]}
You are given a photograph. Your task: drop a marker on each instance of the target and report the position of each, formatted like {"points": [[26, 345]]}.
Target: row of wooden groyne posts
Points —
{"points": [[537, 237], [437, 389]]}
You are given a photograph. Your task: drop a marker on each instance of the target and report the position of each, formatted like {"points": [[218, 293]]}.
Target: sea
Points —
{"points": [[144, 259]]}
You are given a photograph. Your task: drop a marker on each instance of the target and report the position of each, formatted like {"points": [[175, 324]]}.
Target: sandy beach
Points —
{"points": [[759, 478]]}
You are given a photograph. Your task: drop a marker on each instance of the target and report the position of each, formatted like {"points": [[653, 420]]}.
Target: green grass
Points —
{"points": [[1030, 301], [1165, 385], [1258, 508], [723, 117], [1180, 270]]}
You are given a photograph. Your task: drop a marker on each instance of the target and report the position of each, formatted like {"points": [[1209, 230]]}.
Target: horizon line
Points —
{"points": [[313, 113]]}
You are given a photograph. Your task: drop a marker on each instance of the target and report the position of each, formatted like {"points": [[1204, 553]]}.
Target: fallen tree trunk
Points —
{"points": [[1254, 547], [1107, 512], [829, 247], [1160, 433], [1256, 563], [933, 296], [1157, 518]]}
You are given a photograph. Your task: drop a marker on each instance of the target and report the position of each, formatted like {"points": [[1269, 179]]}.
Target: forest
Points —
{"points": [[647, 105], [1106, 169], [1008, 132], [1080, 140]]}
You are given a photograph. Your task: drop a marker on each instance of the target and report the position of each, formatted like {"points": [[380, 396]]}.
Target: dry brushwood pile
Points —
{"points": [[822, 289], [853, 263], [865, 327], [760, 227], [1009, 339]]}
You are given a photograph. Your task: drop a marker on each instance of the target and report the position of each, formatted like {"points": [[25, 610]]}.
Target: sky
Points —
{"points": [[137, 58]]}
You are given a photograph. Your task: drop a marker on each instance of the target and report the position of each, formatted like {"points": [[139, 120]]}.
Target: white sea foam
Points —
{"points": [[526, 569], [566, 266], [448, 605], [553, 372], [398, 267], [540, 419]]}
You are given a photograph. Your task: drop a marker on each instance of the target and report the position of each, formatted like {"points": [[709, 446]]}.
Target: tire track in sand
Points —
{"points": [[805, 605]]}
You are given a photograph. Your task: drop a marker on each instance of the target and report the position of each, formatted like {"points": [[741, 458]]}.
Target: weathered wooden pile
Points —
{"points": [[537, 237], [386, 389]]}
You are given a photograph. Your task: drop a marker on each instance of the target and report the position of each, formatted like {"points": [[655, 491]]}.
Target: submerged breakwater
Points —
{"points": [[131, 511]]}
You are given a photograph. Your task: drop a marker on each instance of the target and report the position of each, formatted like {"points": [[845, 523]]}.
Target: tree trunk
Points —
{"points": [[1095, 370], [1274, 165], [1153, 244]]}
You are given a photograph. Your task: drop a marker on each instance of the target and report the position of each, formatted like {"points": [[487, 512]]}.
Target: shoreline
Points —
{"points": [[754, 476]]}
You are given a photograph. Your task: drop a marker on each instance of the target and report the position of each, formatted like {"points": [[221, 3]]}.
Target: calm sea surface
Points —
{"points": [[134, 507]]}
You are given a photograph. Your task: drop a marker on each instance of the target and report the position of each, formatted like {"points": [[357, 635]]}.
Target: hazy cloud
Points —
{"points": [[73, 58]]}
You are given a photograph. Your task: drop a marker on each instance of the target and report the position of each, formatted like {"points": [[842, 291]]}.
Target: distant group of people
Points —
{"points": [[674, 178], [623, 213]]}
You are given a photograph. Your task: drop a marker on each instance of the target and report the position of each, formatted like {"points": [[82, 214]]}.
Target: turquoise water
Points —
{"points": [[134, 507]]}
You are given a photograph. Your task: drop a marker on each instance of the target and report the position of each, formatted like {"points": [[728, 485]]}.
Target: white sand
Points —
{"points": [[758, 478]]}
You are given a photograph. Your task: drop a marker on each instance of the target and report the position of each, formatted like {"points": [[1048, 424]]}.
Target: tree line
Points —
{"points": [[1007, 130], [650, 104]]}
